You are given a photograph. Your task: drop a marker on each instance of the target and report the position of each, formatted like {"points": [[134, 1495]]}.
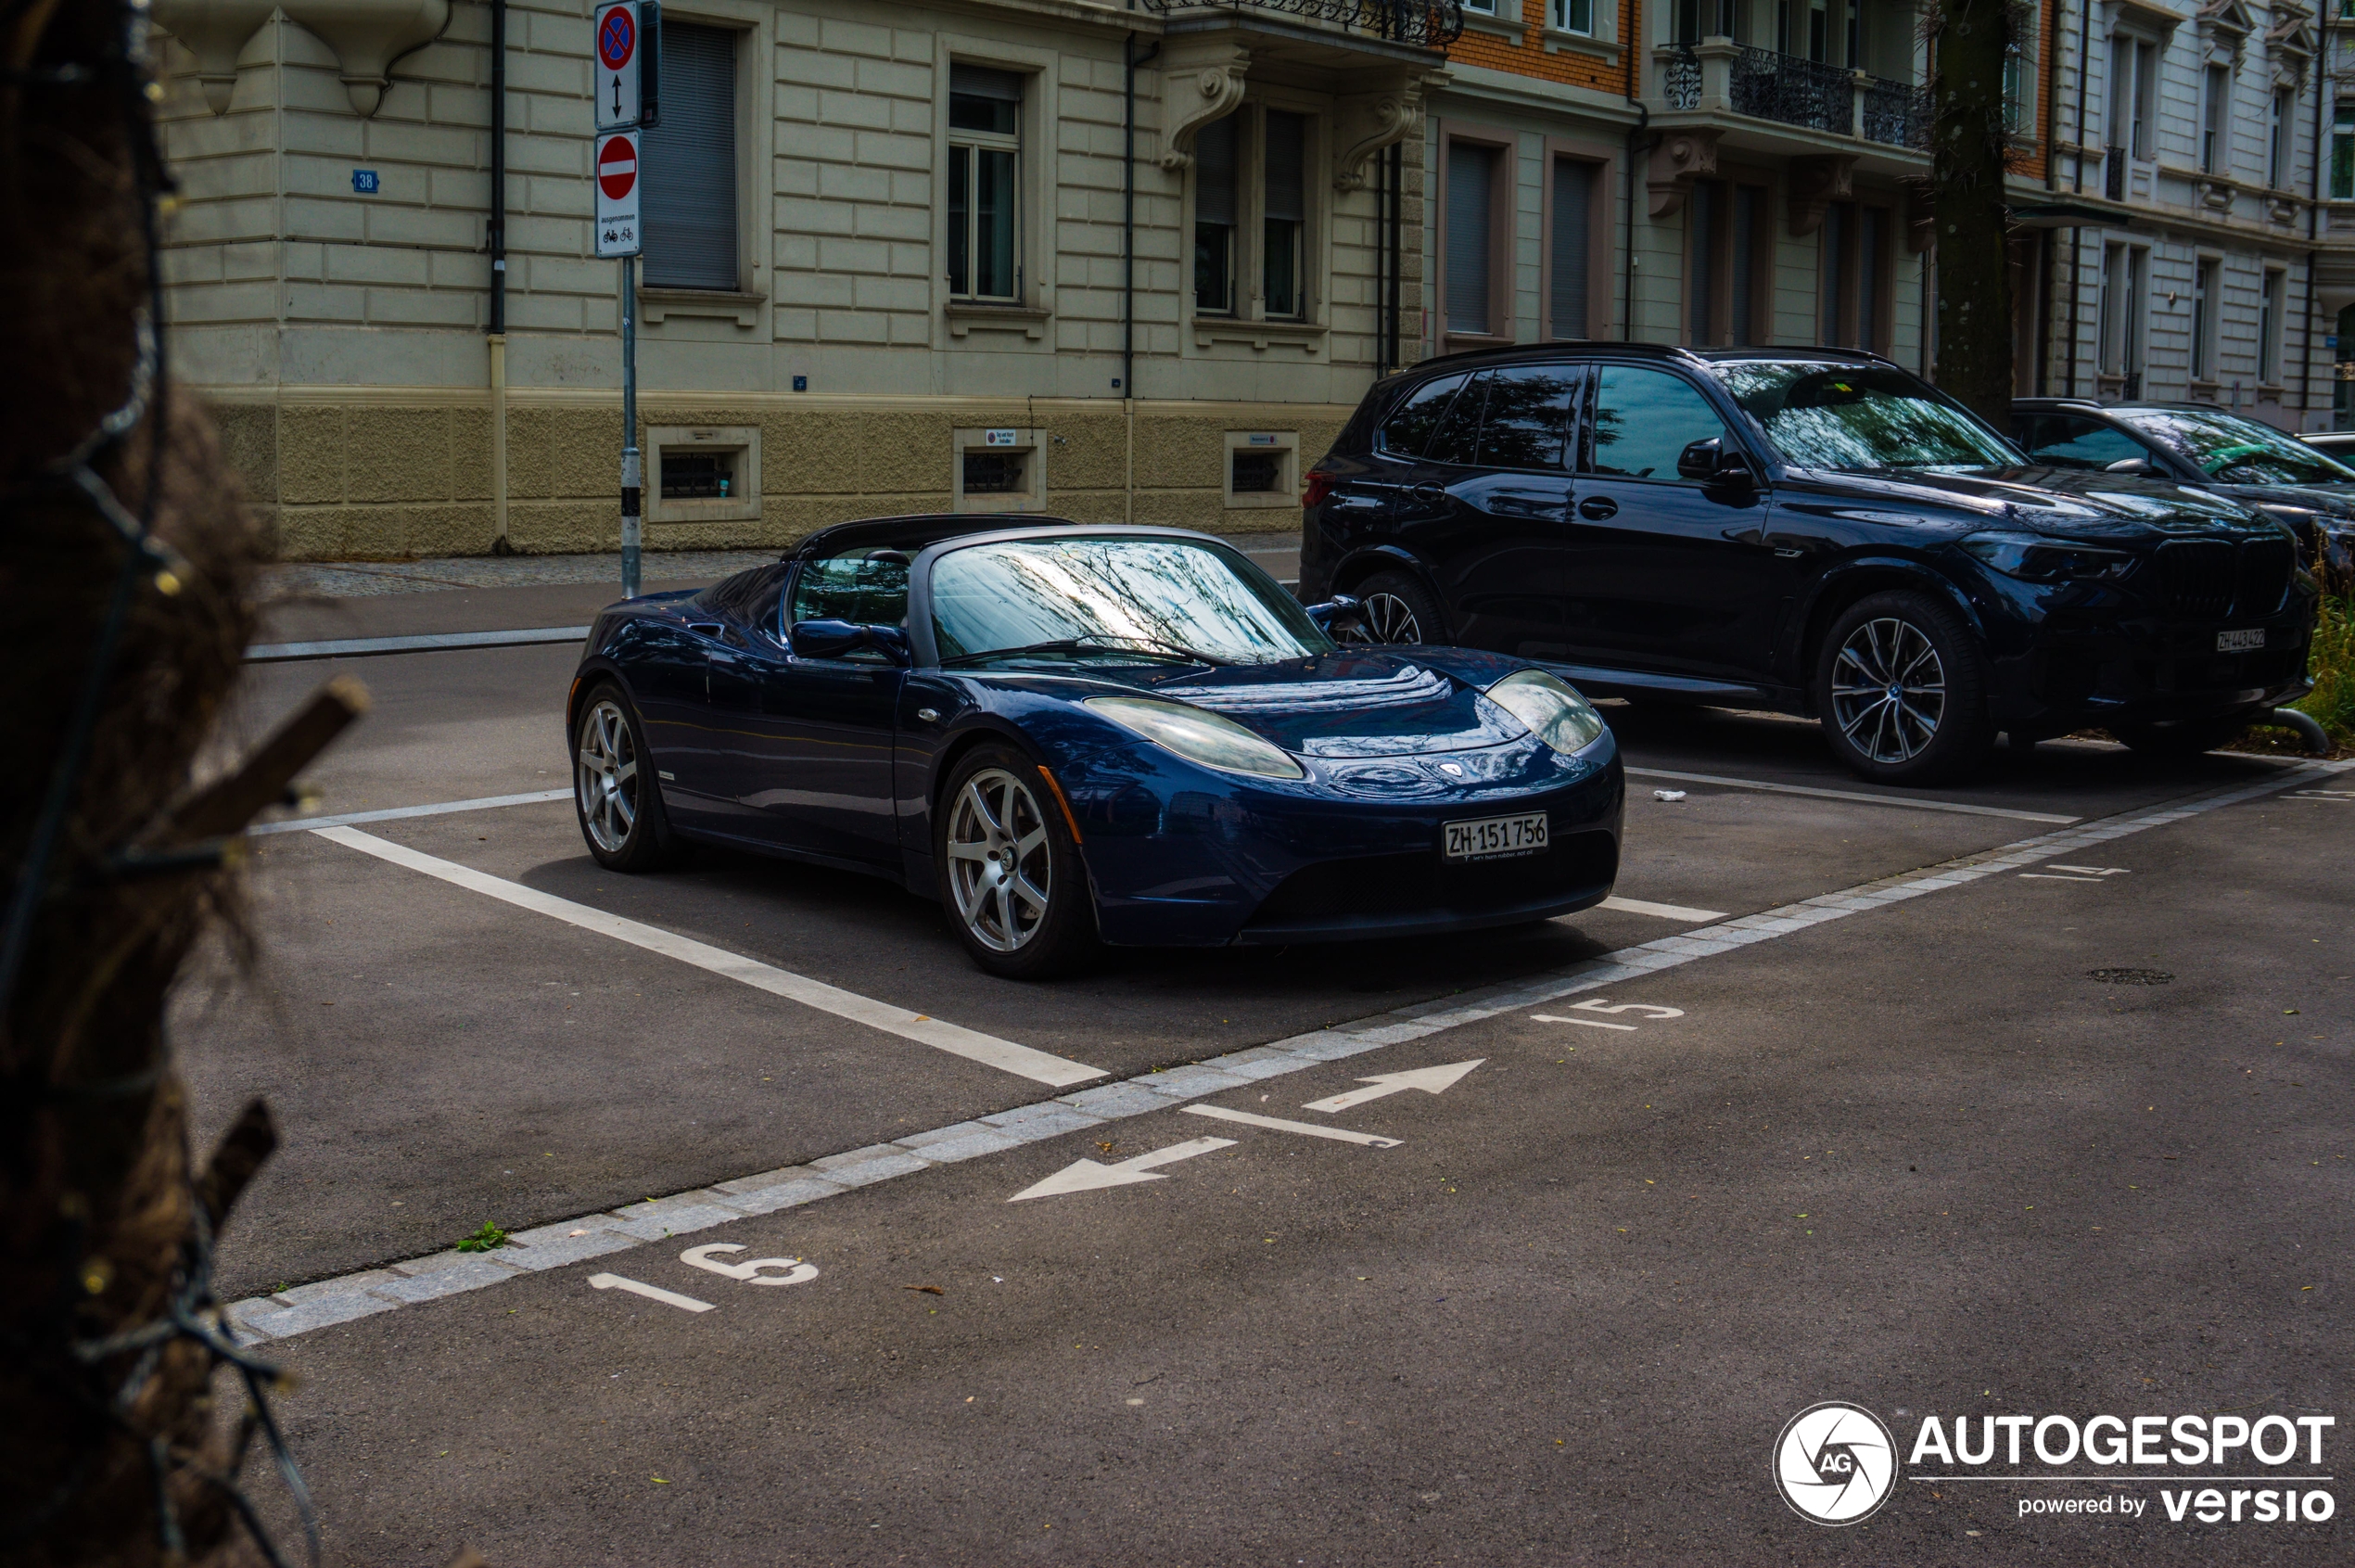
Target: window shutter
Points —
{"points": [[1573, 244], [1470, 169], [689, 200], [1287, 137], [1214, 172]]}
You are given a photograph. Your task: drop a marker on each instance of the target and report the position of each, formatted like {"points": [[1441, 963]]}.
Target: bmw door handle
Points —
{"points": [[1426, 492], [1597, 508]]}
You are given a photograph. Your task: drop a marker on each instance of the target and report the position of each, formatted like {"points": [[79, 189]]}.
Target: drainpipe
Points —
{"points": [[1132, 59], [496, 336], [1634, 133], [1395, 327], [2313, 238], [2077, 232], [2052, 182]]}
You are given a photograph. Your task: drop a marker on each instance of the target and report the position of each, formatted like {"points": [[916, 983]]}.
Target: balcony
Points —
{"points": [[1418, 24], [1787, 90]]}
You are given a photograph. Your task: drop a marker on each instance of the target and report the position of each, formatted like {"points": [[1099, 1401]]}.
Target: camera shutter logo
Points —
{"points": [[1835, 1463]]}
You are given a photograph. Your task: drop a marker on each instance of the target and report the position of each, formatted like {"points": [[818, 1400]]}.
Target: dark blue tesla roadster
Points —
{"points": [[1071, 735]]}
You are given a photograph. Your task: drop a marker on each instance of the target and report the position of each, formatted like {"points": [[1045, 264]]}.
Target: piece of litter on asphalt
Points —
{"points": [[928, 1289], [1668, 795]]}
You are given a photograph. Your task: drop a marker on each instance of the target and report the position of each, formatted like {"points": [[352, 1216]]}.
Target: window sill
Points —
{"points": [[1306, 335], [1558, 42], [653, 304], [963, 315], [1501, 27], [1457, 342]]}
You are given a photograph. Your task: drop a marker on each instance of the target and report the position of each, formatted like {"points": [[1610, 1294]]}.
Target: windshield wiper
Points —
{"points": [[1092, 642]]}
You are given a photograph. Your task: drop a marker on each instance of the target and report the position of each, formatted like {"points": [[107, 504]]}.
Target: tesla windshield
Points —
{"points": [[1863, 418], [2237, 451], [1113, 600]]}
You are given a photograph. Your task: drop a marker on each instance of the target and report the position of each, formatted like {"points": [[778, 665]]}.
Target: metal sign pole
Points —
{"points": [[631, 488]]}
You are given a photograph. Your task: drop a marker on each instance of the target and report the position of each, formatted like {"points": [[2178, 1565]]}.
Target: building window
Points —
{"points": [[1571, 256], [1571, 15], [999, 470], [690, 175], [2215, 114], [1215, 206], [1856, 277], [2343, 153], [2269, 330], [1469, 246], [1263, 468], [2018, 84], [2124, 288], [2280, 116], [984, 150], [1284, 215], [2133, 87], [2205, 295], [1731, 243]]}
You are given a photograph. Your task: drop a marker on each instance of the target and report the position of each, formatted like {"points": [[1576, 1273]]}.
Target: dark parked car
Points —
{"points": [[1070, 734], [1809, 531], [2242, 459]]}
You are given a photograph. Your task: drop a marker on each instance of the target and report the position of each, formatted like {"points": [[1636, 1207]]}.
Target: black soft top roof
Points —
{"points": [[914, 533]]}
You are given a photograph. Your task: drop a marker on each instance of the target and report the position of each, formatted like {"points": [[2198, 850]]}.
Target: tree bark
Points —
{"points": [[1968, 154]]}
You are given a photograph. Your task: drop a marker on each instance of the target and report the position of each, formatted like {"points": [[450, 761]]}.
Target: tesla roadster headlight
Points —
{"points": [[1549, 710], [1199, 736], [2033, 558]]}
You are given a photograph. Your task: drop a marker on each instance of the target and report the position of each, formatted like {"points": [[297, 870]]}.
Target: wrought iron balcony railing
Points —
{"points": [[1767, 84], [1425, 24]]}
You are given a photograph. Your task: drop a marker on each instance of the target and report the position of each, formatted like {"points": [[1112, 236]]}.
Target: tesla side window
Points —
{"points": [[1528, 409], [1643, 419], [1408, 430], [1863, 419], [2067, 441], [1458, 438], [1113, 600], [870, 588]]}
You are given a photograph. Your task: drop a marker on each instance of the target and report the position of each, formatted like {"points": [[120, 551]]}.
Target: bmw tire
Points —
{"points": [[1902, 690], [1012, 882], [1396, 608]]}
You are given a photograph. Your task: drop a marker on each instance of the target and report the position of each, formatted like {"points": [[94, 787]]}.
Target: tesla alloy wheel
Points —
{"points": [[1901, 692], [1397, 609], [1011, 881], [614, 788]]}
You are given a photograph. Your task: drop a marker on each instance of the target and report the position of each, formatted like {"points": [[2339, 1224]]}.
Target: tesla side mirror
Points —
{"points": [[1336, 612], [840, 639], [1712, 461], [2130, 465]]}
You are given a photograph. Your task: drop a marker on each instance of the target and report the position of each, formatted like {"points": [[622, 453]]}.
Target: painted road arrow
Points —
{"points": [[1430, 1080], [1085, 1175]]}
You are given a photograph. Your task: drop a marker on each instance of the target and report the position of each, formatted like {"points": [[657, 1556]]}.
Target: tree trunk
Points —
{"points": [[1969, 152]]}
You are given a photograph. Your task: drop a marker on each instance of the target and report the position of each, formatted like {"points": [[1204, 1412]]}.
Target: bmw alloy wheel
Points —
{"points": [[1388, 619], [1888, 690], [999, 867], [605, 776]]}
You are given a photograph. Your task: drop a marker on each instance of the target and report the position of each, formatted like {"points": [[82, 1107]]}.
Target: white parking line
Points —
{"points": [[393, 813], [564, 1242], [988, 1049], [1962, 807], [1662, 911]]}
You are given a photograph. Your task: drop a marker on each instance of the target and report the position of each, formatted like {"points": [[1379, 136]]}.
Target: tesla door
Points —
{"points": [[1489, 502], [1663, 574]]}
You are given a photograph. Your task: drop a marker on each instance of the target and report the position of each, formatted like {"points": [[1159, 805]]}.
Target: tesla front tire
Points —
{"points": [[614, 788], [1011, 878], [1902, 690]]}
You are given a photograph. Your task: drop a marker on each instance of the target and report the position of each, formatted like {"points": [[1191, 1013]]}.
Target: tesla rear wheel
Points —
{"points": [[1397, 609], [1903, 691], [614, 788], [2186, 738], [1009, 872]]}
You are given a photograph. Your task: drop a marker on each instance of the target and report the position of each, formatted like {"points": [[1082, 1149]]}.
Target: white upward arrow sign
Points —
{"points": [[1430, 1080], [1087, 1174]]}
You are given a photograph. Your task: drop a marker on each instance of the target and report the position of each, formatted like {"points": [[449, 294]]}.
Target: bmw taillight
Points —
{"points": [[1320, 487]]}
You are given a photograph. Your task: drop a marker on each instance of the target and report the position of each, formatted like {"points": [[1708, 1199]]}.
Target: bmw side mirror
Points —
{"points": [[839, 639], [2130, 465], [1712, 461], [1338, 611]]}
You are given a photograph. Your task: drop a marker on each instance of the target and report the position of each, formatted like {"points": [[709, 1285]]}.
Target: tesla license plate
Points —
{"points": [[2239, 642], [1493, 836]]}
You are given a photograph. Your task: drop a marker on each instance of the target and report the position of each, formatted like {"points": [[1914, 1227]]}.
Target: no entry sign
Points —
{"points": [[616, 42], [617, 194]]}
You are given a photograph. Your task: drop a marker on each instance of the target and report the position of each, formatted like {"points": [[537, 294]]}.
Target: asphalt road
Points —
{"points": [[1912, 1156]]}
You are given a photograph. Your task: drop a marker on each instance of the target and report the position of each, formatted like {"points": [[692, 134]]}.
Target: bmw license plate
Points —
{"points": [[1492, 836], [2240, 642]]}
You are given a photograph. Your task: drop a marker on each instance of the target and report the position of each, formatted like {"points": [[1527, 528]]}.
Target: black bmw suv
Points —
{"points": [[1809, 531]]}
